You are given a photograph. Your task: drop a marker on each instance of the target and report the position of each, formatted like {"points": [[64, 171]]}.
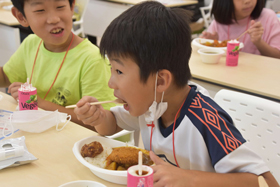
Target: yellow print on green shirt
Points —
{"points": [[61, 96]]}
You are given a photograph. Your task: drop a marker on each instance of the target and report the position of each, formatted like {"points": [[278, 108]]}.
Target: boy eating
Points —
{"points": [[195, 141]]}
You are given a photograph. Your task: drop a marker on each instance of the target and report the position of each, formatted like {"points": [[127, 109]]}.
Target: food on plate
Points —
{"points": [[118, 158], [127, 156], [92, 149], [216, 43]]}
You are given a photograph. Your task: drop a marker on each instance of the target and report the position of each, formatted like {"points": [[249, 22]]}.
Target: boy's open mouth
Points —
{"points": [[125, 105], [57, 31]]}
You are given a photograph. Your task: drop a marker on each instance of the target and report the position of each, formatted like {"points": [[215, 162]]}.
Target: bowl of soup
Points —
{"points": [[210, 56]]}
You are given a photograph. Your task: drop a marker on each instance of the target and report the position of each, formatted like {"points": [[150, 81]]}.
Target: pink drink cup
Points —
{"points": [[134, 180], [232, 53], [27, 99]]}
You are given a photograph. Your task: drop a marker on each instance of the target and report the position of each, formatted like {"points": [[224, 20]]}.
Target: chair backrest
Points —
{"points": [[258, 120], [206, 14], [10, 41], [79, 12]]}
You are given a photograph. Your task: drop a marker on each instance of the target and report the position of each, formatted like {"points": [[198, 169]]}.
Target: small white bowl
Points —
{"points": [[82, 183], [210, 56]]}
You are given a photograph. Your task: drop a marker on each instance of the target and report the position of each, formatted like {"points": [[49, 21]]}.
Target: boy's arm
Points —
{"points": [[4, 81], [109, 125], [166, 174]]}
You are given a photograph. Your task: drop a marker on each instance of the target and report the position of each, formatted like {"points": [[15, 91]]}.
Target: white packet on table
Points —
{"points": [[13, 158], [5, 130]]}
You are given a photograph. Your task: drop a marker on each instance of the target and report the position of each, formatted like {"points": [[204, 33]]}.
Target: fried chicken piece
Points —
{"points": [[92, 149], [128, 156]]}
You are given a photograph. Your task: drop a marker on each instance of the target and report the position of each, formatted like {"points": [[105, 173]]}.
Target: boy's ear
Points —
{"points": [[20, 17], [164, 80]]}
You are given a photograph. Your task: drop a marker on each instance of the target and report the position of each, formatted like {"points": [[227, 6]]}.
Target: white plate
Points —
{"points": [[1, 97], [119, 177], [82, 183], [196, 45]]}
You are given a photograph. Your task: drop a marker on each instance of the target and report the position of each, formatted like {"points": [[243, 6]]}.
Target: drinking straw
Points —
{"points": [[140, 162]]}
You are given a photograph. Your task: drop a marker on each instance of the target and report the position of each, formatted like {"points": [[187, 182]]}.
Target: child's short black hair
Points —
{"points": [[223, 11], [19, 4], [155, 37]]}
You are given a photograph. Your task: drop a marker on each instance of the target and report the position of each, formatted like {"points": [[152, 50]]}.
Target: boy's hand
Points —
{"points": [[255, 31], [13, 89], [209, 35], [167, 175], [89, 114]]}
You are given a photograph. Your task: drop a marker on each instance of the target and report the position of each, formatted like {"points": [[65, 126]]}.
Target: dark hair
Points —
{"points": [[155, 37], [223, 11], [19, 4]]}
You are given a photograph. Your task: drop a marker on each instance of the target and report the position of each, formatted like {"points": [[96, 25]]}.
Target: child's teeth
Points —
{"points": [[56, 31]]}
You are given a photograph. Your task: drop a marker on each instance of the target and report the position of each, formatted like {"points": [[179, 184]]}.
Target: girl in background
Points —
{"points": [[233, 17]]}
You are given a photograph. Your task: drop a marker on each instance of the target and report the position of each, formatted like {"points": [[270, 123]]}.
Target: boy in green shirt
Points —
{"points": [[59, 64]]}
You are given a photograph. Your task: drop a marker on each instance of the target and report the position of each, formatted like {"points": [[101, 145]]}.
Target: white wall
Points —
{"points": [[273, 4], [99, 15]]}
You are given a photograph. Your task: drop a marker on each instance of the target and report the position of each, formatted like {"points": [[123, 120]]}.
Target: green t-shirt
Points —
{"points": [[84, 72]]}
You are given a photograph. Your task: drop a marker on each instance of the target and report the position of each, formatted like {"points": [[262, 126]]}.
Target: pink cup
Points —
{"points": [[134, 180], [27, 99], [232, 53]]}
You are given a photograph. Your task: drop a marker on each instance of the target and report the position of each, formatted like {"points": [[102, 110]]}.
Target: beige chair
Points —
{"points": [[258, 120], [79, 12], [206, 14]]}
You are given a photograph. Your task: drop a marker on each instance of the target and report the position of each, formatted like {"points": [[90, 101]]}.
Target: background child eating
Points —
{"points": [[233, 17], [149, 47], [62, 66]]}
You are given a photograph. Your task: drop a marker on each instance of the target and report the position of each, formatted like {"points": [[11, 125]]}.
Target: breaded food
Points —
{"points": [[92, 149], [128, 156]]}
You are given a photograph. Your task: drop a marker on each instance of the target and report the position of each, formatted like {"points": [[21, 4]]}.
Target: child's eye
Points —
{"points": [[118, 72], [41, 10], [59, 7]]}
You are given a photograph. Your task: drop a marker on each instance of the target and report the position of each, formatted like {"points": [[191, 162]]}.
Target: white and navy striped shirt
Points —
{"points": [[205, 137]]}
